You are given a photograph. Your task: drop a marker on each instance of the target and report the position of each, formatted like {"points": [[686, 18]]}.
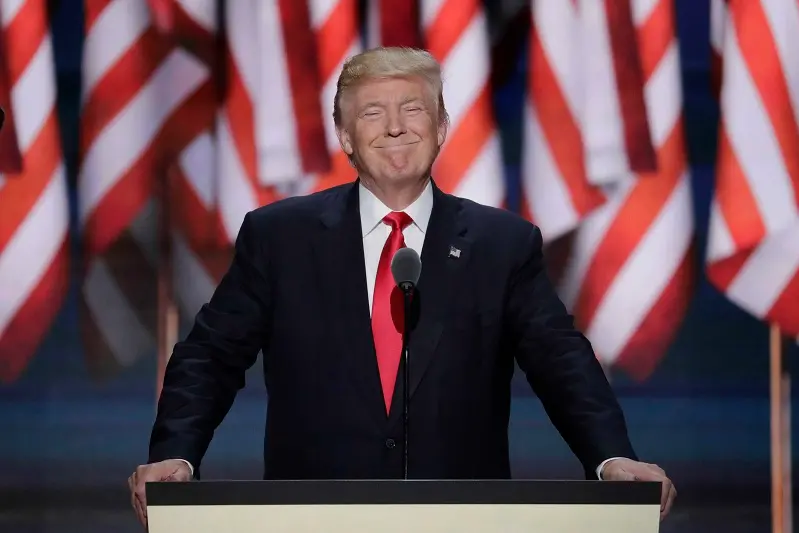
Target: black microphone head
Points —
{"points": [[406, 267]]}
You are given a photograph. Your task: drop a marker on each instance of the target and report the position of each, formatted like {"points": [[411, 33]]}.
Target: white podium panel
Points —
{"points": [[404, 507]]}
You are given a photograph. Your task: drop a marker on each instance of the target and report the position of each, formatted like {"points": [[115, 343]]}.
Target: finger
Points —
{"points": [[132, 487], [134, 500], [141, 501], [141, 513], [141, 504], [669, 501], [665, 489], [667, 498]]}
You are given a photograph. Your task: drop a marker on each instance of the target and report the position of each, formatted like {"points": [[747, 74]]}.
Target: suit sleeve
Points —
{"points": [[561, 366], [207, 369]]}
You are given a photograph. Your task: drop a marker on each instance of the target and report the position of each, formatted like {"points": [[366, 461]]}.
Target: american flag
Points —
{"points": [[753, 241], [177, 143], [335, 24], [605, 165], [34, 213], [470, 163], [393, 23], [200, 101], [140, 94]]}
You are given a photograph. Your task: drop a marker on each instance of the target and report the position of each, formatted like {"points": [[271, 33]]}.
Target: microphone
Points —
{"points": [[406, 267]]}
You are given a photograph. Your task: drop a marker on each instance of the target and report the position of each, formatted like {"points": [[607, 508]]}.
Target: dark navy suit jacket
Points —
{"points": [[296, 290]]}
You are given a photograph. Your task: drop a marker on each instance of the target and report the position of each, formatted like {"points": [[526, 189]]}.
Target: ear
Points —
{"points": [[443, 127], [344, 140]]}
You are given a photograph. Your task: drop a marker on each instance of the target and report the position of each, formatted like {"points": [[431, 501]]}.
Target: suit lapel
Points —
{"points": [[445, 255], [342, 274]]}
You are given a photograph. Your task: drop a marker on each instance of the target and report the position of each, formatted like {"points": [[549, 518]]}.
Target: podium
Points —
{"points": [[400, 506]]}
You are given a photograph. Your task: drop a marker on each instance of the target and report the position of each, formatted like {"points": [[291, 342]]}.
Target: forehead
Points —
{"points": [[390, 89]]}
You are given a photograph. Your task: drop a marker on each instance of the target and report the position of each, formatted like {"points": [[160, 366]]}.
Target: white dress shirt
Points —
{"points": [[376, 232]]}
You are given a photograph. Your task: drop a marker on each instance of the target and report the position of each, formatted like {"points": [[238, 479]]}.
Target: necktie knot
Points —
{"points": [[398, 220]]}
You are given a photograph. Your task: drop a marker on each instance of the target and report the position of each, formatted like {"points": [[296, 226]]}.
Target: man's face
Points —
{"points": [[391, 130]]}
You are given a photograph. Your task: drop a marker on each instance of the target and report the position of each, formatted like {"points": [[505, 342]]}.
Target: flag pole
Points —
{"points": [[167, 310], [780, 405]]}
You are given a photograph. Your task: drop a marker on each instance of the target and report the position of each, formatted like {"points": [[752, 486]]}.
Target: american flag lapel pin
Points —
{"points": [[454, 252]]}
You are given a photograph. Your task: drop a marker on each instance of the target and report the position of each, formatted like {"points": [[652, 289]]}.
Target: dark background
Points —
{"points": [[67, 444]]}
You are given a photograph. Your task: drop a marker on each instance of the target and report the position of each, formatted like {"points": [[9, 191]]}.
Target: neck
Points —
{"points": [[396, 196]]}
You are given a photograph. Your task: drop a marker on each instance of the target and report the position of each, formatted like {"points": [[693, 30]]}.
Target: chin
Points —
{"points": [[405, 175]]}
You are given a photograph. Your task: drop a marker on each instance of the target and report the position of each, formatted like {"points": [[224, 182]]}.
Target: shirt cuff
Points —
{"points": [[191, 468], [602, 466]]}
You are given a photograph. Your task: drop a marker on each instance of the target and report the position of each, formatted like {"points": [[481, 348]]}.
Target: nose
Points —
{"points": [[396, 124]]}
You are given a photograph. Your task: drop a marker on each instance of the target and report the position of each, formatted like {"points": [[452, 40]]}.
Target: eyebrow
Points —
{"points": [[375, 103]]}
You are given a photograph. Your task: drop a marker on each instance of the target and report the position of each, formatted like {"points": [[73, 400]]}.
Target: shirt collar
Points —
{"points": [[373, 210]]}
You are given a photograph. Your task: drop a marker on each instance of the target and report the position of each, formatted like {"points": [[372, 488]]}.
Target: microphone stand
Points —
{"points": [[407, 297]]}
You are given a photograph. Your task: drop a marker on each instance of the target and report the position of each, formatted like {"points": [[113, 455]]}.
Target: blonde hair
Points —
{"points": [[390, 62]]}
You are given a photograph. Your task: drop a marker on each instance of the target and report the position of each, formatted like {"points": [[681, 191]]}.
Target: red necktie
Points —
{"points": [[387, 311]]}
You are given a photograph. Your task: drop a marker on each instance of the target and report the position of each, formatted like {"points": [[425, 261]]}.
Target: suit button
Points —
{"points": [[390, 444]]}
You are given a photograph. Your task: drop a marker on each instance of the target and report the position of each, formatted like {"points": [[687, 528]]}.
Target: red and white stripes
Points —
{"points": [[248, 160], [198, 241], [753, 244], [628, 279], [237, 150], [469, 164], [267, 149], [392, 23], [335, 24], [34, 216], [557, 192], [586, 121], [290, 131], [134, 118]]}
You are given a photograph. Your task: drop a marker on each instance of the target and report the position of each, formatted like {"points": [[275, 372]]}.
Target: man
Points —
{"points": [[310, 286]]}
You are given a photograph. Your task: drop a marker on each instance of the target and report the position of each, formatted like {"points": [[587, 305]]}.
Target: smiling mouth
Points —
{"points": [[398, 145]]}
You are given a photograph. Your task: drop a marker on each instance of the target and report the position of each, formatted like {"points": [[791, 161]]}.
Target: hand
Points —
{"points": [[169, 470], [629, 470]]}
